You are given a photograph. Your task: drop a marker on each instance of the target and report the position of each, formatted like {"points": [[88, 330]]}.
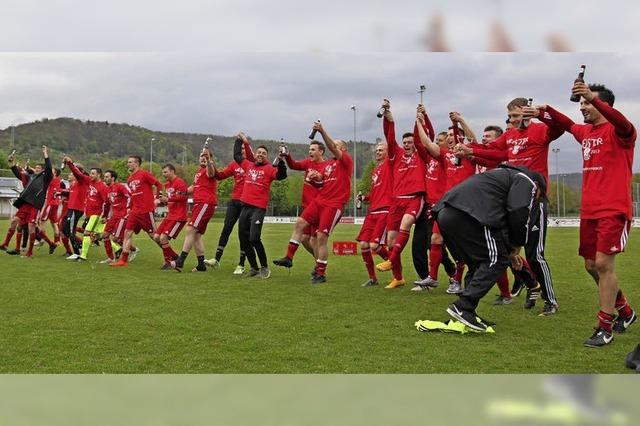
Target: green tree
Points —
{"points": [[279, 199], [364, 183]]}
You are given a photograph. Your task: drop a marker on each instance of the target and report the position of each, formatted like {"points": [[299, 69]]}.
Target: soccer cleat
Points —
{"points": [[314, 272], [396, 283], [318, 279], [239, 270], [600, 337], [370, 283], [418, 288], [253, 272], [199, 268], [532, 295], [175, 265], [285, 262], [384, 266], [470, 319], [106, 262], [212, 262], [133, 254], [166, 266], [516, 289], [3, 248], [119, 263], [503, 300], [427, 282], [73, 257], [265, 273], [548, 309], [621, 324], [454, 287], [52, 248], [13, 252]]}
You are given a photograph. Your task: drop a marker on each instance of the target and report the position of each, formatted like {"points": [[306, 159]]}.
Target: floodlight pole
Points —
{"points": [[151, 156], [355, 211], [556, 151]]}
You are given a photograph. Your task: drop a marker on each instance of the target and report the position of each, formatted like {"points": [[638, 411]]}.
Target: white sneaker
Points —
{"points": [[454, 287], [73, 257], [419, 287], [265, 273], [238, 271], [133, 254], [212, 263], [106, 261], [427, 282]]}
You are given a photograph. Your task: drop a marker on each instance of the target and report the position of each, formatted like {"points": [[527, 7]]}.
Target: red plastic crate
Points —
{"points": [[345, 248]]}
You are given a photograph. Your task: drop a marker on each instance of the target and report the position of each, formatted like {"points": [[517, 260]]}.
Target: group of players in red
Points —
{"points": [[407, 181]]}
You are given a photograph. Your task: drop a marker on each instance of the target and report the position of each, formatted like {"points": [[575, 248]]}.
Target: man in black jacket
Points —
{"points": [[32, 197], [485, 222]]}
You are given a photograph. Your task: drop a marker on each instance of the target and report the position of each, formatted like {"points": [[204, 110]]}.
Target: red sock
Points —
{"points": [[56, 238], [605, 320], [292, 247], [503, 285], [368, 261], [168, 253], [395, 258], [43, 235], [67, 247], [622, 306], [382, 252], [18, 241], [10, 233], [321, 267], [32, 240], [107, 248], [435, 257], [460, 271], [124, 257]]}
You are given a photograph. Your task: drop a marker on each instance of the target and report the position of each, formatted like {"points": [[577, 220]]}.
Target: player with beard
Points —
{"points": [[118, 197], [141, 183], [325, 210], [608, 140], [205, 200], [374, 229]]}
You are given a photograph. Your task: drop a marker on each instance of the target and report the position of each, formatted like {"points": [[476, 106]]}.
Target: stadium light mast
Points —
{"points": [[556, 151], [151, 156], [355, 211]]}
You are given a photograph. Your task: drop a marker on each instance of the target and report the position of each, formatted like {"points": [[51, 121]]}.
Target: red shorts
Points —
{"points": [[322, 217], [200, 216], [115, 226], [401, 206], [27, 214], [49, 212], [608, 235], [374, 228], [141, 221], [170, 227]]}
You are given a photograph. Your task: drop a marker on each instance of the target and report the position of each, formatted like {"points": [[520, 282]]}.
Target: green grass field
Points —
{"points": [[64, 317]]}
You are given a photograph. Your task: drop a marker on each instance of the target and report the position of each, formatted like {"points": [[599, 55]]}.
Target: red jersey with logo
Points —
{"points": [[235, 170], [177, 199], [118, 196], [205, 189], [54, 188], [78, 193], [606, 171], [379, 196], [408, 171], [310, 190], [257, 183], [96, 198], [435, 179], [455, 173], [141, 184], [336, 187]]}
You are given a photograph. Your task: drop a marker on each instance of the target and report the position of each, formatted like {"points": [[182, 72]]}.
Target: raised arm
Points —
{"points": [[624, 128], [456, 117], [328, 141], [293, 164], [48, 168], [76, 171], [422, 141]]}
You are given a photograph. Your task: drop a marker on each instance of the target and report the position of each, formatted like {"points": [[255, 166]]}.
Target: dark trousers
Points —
{"points": [[484, 251], [534, 250], [69, 224], [250, 230], [420, 245], [234, 208]]}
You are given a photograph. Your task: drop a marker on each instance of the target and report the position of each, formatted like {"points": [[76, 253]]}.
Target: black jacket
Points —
{"points": [[35, 192], [500, 198]]}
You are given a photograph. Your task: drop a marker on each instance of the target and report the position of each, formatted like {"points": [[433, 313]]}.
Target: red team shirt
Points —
{"points": [[96, 198], [336, 187], [78, 192], [455, 174], [257, 183], [54, 188], [235, 170], [408, 172], [309, 190], [205, 189], [177, 197], [381, 185], [435, 180], [118, 196], [142, 196]]}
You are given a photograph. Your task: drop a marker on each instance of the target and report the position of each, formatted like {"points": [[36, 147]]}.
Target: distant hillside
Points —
{"points": [[93, 142]]}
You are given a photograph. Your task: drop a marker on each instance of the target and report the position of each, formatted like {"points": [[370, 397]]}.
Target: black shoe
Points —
{"points": [[532, 295], [633, 359], [285, 261], [253, 272], [549, 309], [13, 252], [179, 263], [485, 321], [318, 279], [199, 268], [52, 248], [370, 283], [3, 248], [470, 319], [516, 289], [314, 272], [600, 337], [621, 324]]}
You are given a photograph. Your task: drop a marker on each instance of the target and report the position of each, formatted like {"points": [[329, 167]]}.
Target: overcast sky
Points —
{"points": [[279, 95]]}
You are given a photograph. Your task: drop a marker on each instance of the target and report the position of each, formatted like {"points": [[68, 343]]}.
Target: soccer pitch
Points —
{"points": [[66, 317]]}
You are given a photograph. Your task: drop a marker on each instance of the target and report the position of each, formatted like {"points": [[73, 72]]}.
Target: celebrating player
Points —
{"points": [[118, 196], [175, 197]]}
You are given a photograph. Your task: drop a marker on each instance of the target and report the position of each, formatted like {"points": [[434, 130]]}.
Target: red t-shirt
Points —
{"points": [[381, 186], [142, 196], [205, 189], [257, 183], [455, 174], [233, 169], [54, 188], [336, 187], [436, 180], [606, 171], [118, 196], [177, 197], [96, 198], [78, 193], [408, 171], [310, 190]]}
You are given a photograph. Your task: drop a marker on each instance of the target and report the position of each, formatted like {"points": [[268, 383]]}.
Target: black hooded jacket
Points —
{"points": [[35, 191]]}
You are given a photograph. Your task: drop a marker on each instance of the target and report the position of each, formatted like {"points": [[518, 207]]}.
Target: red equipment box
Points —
{"points": [[345, 248]]}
